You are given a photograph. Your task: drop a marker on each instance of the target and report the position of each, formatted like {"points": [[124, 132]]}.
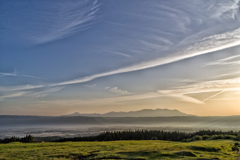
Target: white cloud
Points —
{"points": [[203, 87], [117, 91], [226, 61], [34, 93], [204, 46], [181, 93], [232, 74], [186, 48], [6, 74], [108, 100], [52, 21], [213, 95], [223, 99], [119, 53], [46, 92], [22, 87], [188, 99], [18, 94], [15, 74]]}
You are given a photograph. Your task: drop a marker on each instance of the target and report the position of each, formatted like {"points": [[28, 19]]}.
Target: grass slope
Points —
{"points": [[134, 150]]}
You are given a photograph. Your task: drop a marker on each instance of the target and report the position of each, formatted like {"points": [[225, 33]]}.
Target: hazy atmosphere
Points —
{"points": [[102, 56]]}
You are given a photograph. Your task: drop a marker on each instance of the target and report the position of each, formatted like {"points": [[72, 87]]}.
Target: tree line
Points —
{"points": [[158, 135], [26, 139], [142, 135]]}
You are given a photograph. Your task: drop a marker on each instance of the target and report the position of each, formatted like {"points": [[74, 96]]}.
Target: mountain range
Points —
{"points": [[222, 122], [141, 113]]}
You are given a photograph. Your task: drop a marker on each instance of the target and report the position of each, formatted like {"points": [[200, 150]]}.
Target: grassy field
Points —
{"points": [[134, 150]]}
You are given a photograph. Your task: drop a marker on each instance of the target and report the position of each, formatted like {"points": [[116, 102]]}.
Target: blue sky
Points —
{"points": [[59, 57]]}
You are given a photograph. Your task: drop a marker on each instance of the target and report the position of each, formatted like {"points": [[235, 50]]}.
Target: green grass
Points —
{"points": [[134, 150]]}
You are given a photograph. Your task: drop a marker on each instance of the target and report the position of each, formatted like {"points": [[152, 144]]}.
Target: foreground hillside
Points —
{"points": [[151, 149]]}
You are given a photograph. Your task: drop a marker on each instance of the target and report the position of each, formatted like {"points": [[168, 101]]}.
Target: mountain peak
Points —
{"points": [[74, 114]]}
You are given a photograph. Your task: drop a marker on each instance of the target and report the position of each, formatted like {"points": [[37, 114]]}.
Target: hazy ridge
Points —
{"points": [[184, 121], [141, 113], [146, 117]]}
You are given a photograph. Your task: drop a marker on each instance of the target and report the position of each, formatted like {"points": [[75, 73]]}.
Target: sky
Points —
{"points": [[97, 56]]}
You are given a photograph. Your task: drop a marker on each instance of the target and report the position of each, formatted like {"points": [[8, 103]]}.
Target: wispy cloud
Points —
{"points": [[121, 98], [34, 93], [204, 46], [49, 21], [117, 90], [6, 74], [181, 93], [15, 74], [228, 10], [77, 19], [213, 95], [90, 86], [17, 94], [223, 99], [233, 60], [22, 87], [46, 92], [219, 86], [227, 75], [187, 99], [120, 53], [180, 96]]}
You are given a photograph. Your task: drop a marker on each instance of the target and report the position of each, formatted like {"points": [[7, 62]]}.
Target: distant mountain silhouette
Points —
{"points": [[224, 122], [141, 113]]}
